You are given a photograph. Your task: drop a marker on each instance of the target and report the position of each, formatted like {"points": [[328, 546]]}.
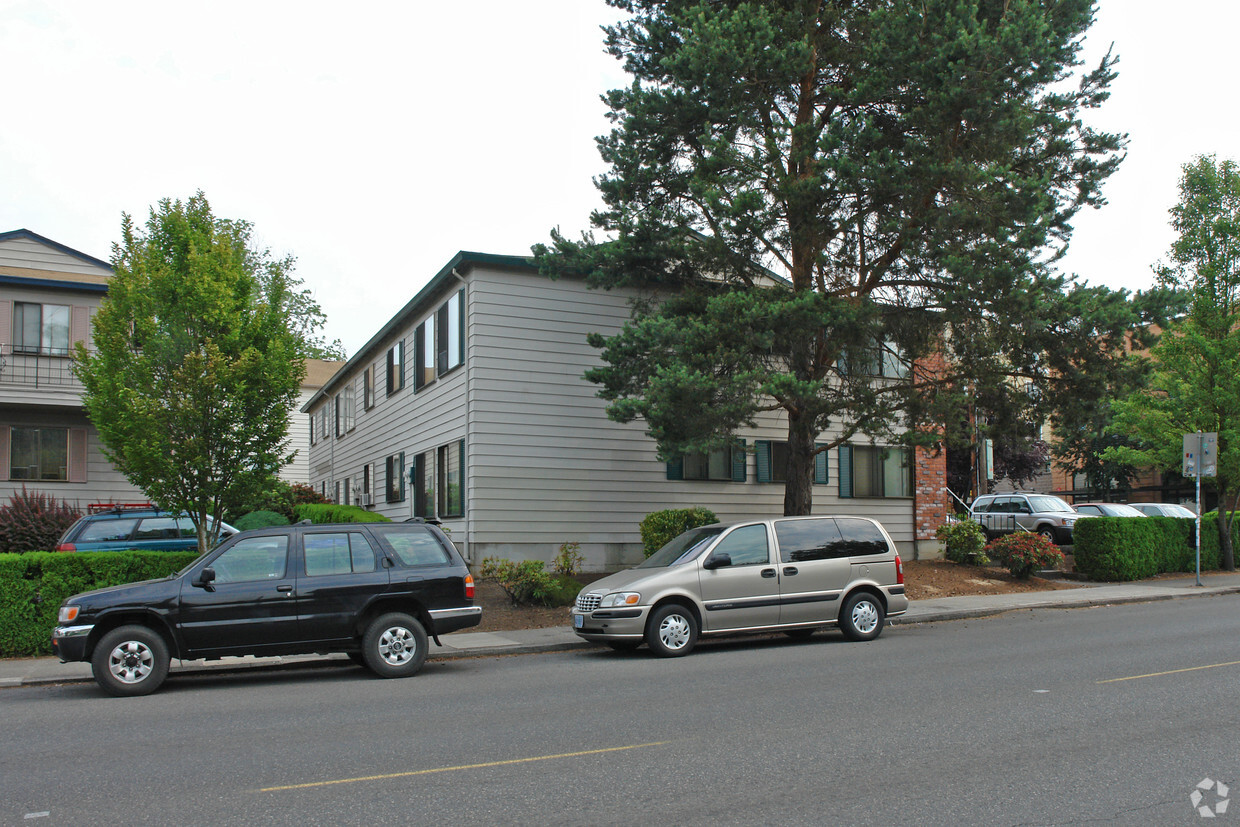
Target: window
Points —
{"points": [[861, 537], [107, 531], [873, 471], [396, 367], [884, 359], [348, 492], [424, 355], [772, 462], [314, 436], [41, 328], [396, 478], [344, 410], [726, 464], [158, 528], [424, 484], [804, 540], [258, 558], [450, 333], [747, 546], [323, 414], [39, 454], [336, 499], [368, 387], [337, 553], [451, 493], [414, 545], [366, 485], [339, 415]]}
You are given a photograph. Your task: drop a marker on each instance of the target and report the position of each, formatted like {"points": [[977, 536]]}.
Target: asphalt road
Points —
{"points": [[1091, 716]]}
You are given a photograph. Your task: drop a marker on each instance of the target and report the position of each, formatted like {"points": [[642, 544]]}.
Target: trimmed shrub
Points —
{"points": [[963, 542], [330, 513], [1131, 548], [260, 519], [33, 522], [1023, 553], [35, 584], [1211, 554], [528, 584], [660, 527]]}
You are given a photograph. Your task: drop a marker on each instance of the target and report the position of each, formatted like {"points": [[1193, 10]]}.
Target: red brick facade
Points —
{"points": [[930, 498]]}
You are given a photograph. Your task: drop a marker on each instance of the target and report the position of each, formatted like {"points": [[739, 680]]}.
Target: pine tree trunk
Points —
{"points": [[1226, 516], [799, 488]]}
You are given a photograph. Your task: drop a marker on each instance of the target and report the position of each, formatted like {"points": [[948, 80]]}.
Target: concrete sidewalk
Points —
{"points": [[48, 670]]}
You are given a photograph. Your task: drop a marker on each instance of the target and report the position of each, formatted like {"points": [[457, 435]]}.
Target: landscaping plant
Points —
{"points": [[1023, 553], [963, 542], [34, 522], [528, 584], [568, 561]]}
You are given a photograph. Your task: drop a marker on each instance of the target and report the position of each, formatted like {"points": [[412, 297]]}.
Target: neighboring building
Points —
{"points": [[469, 405], [48, 293], [318, 371]]}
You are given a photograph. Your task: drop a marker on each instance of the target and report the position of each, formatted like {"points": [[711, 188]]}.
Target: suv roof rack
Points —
{"points": [[119, 508]]}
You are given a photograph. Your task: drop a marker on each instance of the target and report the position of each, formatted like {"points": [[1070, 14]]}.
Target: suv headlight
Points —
{"points": [[1068, 521], [620, 599], [68, 614]]}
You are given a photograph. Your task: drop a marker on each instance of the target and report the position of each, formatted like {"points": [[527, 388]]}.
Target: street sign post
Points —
{"points": [[1200, 460]]}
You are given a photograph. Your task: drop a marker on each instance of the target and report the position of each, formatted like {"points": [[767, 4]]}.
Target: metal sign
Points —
{"points": [[1200, 454]]}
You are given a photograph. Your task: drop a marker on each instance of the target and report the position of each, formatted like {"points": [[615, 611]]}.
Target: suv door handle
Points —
{"points": [[790, 570], [768, 572], [285, 588]]}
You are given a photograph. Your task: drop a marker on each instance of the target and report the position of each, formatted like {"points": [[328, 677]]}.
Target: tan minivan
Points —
{"points": [[787, 574]]}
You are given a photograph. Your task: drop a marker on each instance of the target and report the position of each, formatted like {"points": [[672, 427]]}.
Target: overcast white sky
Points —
{"points": [[375, 143]]}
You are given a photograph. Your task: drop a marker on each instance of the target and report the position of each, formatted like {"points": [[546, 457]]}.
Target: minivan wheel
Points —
{"points": [[672, 631], [862, 617], [130, 660], [394, 646]]}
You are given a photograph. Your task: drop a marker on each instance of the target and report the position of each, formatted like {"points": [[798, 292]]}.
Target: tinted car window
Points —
{"points": [[802, 540], [1088, 509], [254, 558], [415, 546], [861, 536], [158, 528], [102, 531], [747, 546], [337, 553], [682, 547]]}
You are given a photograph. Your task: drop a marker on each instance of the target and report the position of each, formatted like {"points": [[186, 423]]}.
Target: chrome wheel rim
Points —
{"points": [[131, 662], [674, 632], [397, 645], [865, 617]]}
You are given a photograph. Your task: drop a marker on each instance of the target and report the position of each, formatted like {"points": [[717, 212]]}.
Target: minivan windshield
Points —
{"points": [[683, 547]]}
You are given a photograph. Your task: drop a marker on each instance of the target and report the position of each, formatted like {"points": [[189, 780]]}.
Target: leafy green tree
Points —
{"points": [[197, 361], [1195, 385], [810, 193]]}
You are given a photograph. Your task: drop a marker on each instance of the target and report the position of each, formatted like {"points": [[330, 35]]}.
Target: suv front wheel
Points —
{"points": [[130, 660], [394, 645]]}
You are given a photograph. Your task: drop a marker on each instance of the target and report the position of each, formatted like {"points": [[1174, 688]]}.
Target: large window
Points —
{"points": [[396, 367], [41, 328], [368, 387], [396, 478], [726, 464], [39, 454], [450, 482], [874, 471], [424, 484], [344, 410], [450, 333], [883, 359], [424, 353], [772, 462]]}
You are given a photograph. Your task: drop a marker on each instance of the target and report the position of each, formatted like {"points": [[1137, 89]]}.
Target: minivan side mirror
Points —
{"points": [[718, 560], [205, 578]]}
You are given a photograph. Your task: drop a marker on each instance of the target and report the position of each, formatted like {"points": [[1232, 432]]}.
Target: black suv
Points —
{"points": [[373, 591]]}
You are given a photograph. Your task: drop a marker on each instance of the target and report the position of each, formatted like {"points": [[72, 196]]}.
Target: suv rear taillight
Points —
{"points": [[66, 547], [469, 586], [899, 570]]}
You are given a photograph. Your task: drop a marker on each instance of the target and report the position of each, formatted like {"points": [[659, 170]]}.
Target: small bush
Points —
{"points": [[528, 584], [260, 519], [660, 527], [963, 542], [568, 561], [34, 522], [1023, 553], [329, 513]]}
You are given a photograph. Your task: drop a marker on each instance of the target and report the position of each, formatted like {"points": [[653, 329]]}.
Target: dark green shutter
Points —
{"points": [[846, 471], [740, 461], [402, 477], [418, 477], [460, 474], [820, 466], [762, 452], [676, 468]]}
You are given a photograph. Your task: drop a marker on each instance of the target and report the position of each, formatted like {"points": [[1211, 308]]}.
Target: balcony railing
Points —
{"points": [[52, 369]]}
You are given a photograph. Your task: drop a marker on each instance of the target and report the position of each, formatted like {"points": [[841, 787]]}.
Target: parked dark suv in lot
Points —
{"points": [[373, 591]]}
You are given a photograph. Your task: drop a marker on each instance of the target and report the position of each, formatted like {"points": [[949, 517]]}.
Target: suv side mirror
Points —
{"points": [[205, 578], [718, 560]]}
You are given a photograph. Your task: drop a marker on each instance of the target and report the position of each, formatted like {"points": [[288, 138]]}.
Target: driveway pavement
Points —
{"points": [[48, 670]]}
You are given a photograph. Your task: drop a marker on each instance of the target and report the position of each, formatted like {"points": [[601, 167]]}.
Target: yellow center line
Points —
{"points": [[1171, 672], [461, 767]]}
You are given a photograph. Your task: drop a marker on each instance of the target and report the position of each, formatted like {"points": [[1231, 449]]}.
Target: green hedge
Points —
{"points": [[660, 527], [34, 585], [330, 513], [259, 519], [1127, 548]]}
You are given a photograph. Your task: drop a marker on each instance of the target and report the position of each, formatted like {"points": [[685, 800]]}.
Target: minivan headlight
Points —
{"points": [[621, 599]]}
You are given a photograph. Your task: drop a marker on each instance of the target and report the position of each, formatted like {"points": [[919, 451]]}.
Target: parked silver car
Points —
{"points": [[788, 574], [1164, 510], [1041, 513]]}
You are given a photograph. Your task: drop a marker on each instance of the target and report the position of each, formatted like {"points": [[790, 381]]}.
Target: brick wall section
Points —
{"points": [[930, 497]]}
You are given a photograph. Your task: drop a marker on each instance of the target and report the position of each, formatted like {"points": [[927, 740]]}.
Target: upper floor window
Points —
{"points": [[424, 345], [368, 387], [396, 367], [41, 328], [450, 333], [884, 359]]}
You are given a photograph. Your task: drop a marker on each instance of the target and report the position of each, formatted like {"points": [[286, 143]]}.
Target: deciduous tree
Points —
{"points": [[198, 360]]}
